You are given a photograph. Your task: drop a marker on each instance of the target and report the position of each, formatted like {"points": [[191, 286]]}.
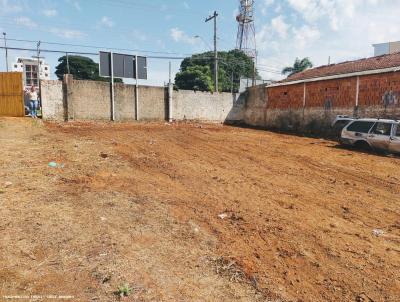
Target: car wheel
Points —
{"points": [[363, 145]]}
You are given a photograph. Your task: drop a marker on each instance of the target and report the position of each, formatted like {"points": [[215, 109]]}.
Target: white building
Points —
{"points": [[386, 48], [29, 69]]}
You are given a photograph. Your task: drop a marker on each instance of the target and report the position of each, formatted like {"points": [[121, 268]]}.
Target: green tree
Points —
{"points": [[195, 78], [298, 66], [233, 64], [82, 68]]}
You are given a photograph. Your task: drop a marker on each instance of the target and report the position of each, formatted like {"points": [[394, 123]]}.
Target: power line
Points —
{"points": [[99, 47]]}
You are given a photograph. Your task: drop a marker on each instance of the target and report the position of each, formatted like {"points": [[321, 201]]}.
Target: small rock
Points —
{"points": [[8, 184], [377, 232], [223, 215], [103, 155]]}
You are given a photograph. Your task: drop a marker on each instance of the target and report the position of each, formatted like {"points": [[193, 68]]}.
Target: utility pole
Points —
{"points": [[66, 55], [5, 45], [214, 17]]}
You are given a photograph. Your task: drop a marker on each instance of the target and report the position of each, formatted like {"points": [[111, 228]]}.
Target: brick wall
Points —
{"points": [[285, 108], [285, 97], [374, 90]]}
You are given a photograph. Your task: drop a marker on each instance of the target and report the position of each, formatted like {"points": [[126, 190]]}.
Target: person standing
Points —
{"points": [[33, 101]]}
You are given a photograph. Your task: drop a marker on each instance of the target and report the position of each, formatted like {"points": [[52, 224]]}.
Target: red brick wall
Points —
{"points": [[285, 97], [339, 93], [334, 93], [374, 87]]}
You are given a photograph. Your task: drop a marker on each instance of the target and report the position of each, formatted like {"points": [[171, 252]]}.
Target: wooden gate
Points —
{"points": [[11, 94]]}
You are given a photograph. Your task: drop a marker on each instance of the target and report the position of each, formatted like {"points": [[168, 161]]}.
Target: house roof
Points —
{"points": [[373, 63]]}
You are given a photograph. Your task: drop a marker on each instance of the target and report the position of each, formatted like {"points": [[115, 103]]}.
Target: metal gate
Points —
{"points": [[11, 94]]}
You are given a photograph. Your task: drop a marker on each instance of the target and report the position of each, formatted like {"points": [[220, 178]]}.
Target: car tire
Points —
{"points": [[363, 145]]}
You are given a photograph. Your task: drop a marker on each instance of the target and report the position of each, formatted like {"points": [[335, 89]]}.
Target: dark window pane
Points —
{"points": [[382, 129], [398, 131], [362, 127]]}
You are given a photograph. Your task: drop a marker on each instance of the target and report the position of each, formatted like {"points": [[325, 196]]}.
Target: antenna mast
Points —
{"points": [[246, 36]]}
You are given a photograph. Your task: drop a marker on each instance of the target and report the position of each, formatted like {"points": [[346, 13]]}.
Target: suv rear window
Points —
{"points": [[361, 127]]}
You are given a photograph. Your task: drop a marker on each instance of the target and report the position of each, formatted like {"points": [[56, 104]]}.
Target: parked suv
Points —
{"points": [[382, 135]]}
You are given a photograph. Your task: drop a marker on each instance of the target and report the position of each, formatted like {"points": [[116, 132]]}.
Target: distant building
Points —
{"points": [[386, 48], [29, 69]]}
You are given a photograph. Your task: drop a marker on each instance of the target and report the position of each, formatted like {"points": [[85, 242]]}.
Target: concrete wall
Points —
{"points": [[205, 106], [91, 100], [52, 100], [153, 103], [310, 108]]}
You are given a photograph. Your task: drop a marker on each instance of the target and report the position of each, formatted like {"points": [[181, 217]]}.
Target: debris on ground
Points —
{"points": [[377, 232], [8, 184], [223, 215]]}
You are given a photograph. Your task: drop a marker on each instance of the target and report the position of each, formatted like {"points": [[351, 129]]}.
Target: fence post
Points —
{"points": [[136, 89], [170, 91], [112, 88], [67, 100]]}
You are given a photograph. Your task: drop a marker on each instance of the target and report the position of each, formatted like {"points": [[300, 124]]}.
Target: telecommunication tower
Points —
{"points": [[246, 36]]}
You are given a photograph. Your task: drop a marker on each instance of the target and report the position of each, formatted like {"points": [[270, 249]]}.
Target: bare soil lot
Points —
{"points": [[190, 212]]}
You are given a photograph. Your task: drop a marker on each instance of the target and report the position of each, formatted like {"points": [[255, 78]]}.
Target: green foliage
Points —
{"points": [[195, 78], [197, 71], [82, 68], [124, 290], [298, 66]]}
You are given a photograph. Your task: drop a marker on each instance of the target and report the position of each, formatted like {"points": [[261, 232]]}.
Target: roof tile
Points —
{"points": [[380, 62]]}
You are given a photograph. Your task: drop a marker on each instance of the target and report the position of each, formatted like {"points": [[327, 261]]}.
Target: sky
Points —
{"points": [[285, 29]]}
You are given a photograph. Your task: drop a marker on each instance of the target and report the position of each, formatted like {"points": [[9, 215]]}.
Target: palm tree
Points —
{"points": [[298, 66]]}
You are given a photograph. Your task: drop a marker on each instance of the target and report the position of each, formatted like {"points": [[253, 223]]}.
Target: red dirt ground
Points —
{"points": [[141, 204]]}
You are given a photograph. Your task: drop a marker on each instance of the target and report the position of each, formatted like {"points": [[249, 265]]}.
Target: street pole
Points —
{"points": [[66, 54], [5, 46], [214, 17], [38, 73]]}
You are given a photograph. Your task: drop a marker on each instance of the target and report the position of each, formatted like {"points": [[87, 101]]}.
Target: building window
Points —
{"points": [[45, 68]]}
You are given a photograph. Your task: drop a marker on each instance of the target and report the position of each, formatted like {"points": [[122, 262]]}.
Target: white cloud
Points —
{"points": [[50, 12], [280, 26], [25, 21], [305, 35], [340, 29], [67, 33], [7, 6], [180, 36], [106, 22]]}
